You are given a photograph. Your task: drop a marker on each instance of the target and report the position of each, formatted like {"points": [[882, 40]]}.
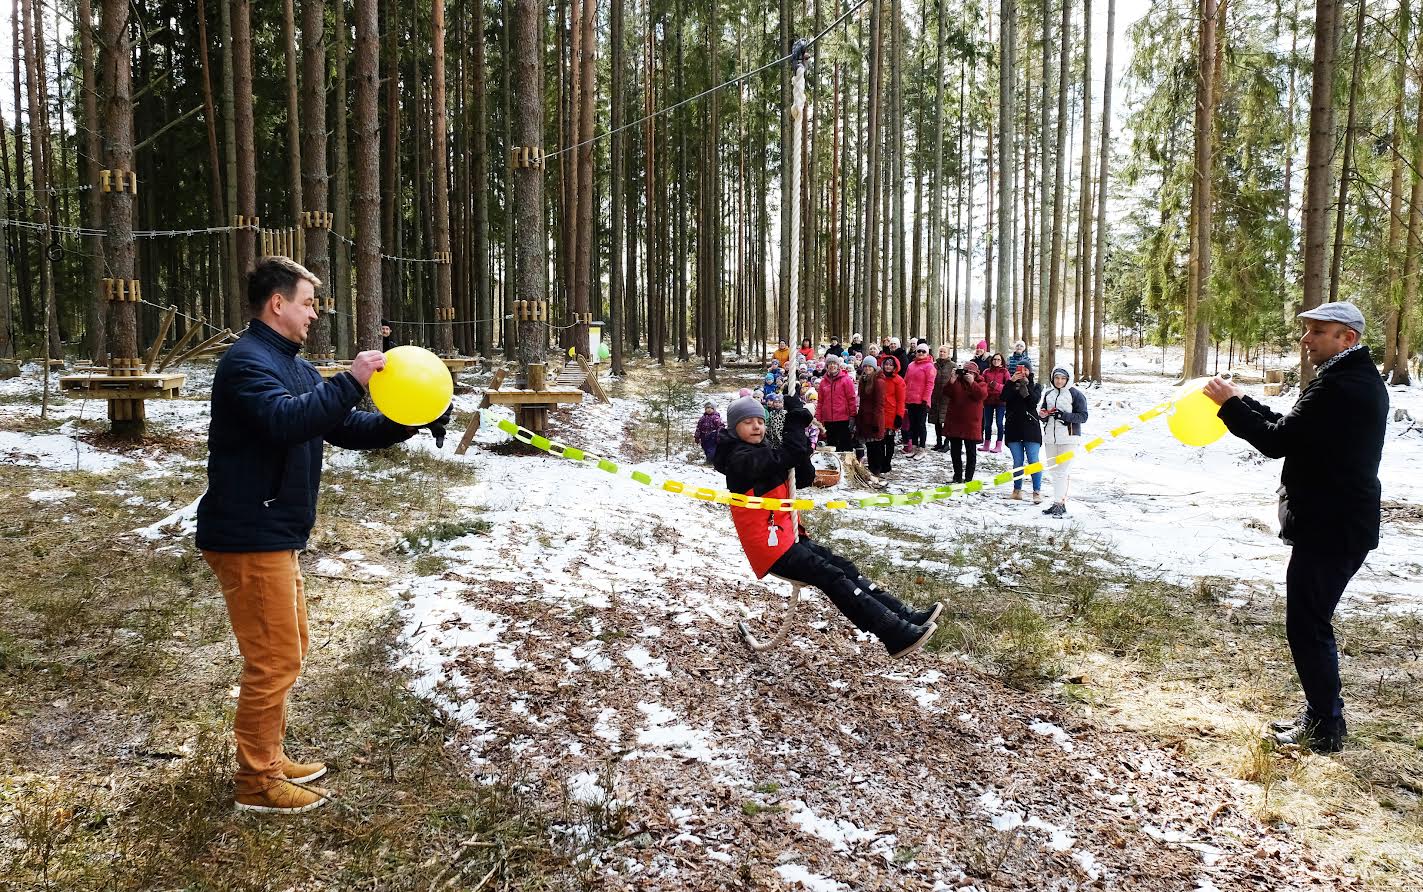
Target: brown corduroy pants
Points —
{"points": [[267, 606]]}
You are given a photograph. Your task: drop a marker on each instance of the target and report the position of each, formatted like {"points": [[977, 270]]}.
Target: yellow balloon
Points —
{"points": [[414, 388], [1194, 421]]}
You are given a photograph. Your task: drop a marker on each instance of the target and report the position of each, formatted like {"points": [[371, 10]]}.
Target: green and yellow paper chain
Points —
{"points": [[883, 500]]}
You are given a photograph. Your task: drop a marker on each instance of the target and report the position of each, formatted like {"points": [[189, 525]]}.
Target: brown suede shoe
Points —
{"points": [[302, 772], [283, 798]]}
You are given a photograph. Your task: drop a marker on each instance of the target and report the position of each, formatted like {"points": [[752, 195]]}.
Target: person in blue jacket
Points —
{"points": [[272, 415]]}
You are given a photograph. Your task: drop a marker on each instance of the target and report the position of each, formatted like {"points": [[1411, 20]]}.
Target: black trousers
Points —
{"points": [[957, 448], [837, 436], [1314, 582], [918, 415], [863, 604], [811, 563], [881, 453]]}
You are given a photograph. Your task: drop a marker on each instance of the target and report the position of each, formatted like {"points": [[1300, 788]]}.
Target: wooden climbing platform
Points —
{"points": [[332, 369], [98, 384]]}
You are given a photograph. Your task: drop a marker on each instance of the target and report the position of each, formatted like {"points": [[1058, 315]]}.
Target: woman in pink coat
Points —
{"points": [[918, 394]]}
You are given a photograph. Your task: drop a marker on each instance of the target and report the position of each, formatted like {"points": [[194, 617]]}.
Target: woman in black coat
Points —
{"points": [[1022, 430]]}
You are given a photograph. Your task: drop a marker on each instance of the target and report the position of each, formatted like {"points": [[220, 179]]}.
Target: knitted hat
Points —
{"points": [[981, 345], [742, 409], [869, 363], [745, 391]]}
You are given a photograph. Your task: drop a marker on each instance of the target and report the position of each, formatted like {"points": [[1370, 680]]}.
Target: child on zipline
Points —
{"points": [[774, 541]]}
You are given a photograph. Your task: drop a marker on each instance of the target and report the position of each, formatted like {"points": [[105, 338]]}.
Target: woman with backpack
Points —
{"points": [[1063, 411]]}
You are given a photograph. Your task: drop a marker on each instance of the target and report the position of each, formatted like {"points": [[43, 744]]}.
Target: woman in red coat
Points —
{"points": [[892, 415], [869, 418], [964, 397]]}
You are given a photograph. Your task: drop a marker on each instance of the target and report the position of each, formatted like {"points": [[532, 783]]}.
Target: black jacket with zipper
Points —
{"points": [[1331, 441], [271, 414]]}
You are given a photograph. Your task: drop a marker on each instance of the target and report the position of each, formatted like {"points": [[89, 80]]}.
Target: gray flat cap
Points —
{"points": [[1342, 311]]}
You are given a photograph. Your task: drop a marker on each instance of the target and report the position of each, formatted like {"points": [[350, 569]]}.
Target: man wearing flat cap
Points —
{"points": [[1331, 442]]}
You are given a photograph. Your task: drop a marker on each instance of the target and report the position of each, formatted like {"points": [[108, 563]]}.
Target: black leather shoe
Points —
{"points": [[1317, 737]]}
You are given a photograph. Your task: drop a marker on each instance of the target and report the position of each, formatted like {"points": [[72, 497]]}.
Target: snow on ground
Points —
{"points": [[618, 600], [584, 642]]}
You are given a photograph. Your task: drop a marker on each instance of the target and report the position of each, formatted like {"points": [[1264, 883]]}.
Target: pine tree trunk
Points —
{"points": [[116, 55], [96, 315], [294, 168], [1104, 156], [235, 298], [1395, 191], [1080, 348], [870, 287], [315, 182], [1047, 359], [388, 183], [341, 215], [1007, 170], [1045, 195], [40, 148], [1348, 161], [1318, 172], [1196, 329], [1288, 307], [901, 316], [22, 254], [246, 173], [616, 161], [439, 164], [366, 205], [1415, 246], [527, 80]]}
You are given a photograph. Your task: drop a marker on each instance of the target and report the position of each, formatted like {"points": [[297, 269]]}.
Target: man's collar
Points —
{"points": [[1334, 360], [265, 332]]}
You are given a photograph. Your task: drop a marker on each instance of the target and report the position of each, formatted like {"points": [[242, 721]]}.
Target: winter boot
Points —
{"points": [[869, 615], [983, 447], [1037, 497], [998, 446], [898, 607], [1017, 495], [901, 638]]}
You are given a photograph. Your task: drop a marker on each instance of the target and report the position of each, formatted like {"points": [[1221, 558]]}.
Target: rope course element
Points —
{"points": [[788, 57], [882, 500]]}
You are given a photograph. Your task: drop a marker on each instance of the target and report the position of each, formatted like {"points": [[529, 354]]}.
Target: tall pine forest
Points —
{"points": [[967, 170]]}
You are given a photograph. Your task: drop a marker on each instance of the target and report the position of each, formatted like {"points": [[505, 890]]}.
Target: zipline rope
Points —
{"points": [[719, 87], [883, 500]]}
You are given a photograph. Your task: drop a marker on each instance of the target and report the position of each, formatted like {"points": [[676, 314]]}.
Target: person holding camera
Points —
{"points": [[943, 374], [1021, 428], [1063, 412], [964, 397]]}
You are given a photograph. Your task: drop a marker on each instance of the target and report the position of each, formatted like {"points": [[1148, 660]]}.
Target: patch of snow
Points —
{"points": [[1059, 736], [645, 663], [586, 788], [180, 524], [330, 566], [840, 833], [798, 875], [1088, 862], [56, 452], [50, 495]]}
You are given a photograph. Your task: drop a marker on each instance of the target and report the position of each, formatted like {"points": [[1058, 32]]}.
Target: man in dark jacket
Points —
{"points": [[1329, 499], [271, 415], [774, 541]]}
